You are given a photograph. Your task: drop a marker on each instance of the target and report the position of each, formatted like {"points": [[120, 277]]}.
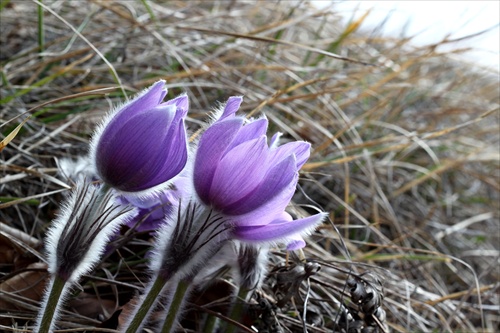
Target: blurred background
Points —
{"points": [[427, 22], [404, 125]]}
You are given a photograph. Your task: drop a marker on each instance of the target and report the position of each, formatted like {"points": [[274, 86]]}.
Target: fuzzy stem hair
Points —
{"points": [[146, 304], [174, 309], [51, 305]]}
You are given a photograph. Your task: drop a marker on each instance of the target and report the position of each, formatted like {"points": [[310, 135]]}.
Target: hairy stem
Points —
{"points": [[142, 309], [211, 324], [237, 310], [176, 306], [50, 308]]}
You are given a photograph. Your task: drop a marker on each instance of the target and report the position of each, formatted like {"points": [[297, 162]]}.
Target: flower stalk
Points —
{"points": [[211, 323], [51, 304], [176, 305], [154, 290], [249, 269], [237, 309]]}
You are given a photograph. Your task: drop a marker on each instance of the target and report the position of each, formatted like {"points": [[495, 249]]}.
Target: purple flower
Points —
{"points": [[243, 186], [152, 216], [155, 209], [143, 144], [239, 175]]}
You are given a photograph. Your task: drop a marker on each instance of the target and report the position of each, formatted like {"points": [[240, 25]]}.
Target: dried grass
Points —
{"points": [[406, 150]]}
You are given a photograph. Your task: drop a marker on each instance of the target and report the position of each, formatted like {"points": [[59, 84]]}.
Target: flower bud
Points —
{"points": [[143, 144]]}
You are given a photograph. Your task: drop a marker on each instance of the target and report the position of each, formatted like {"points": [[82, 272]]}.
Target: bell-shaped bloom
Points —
{"points": [[143, 144], [238, 174]]}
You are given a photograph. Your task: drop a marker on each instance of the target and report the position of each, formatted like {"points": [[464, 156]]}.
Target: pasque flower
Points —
{"points": [[242, 186], [240, 175], [142, 144], [76, 241]]}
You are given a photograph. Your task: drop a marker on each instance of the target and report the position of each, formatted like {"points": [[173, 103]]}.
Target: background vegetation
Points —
{"points": [[405, 159]]}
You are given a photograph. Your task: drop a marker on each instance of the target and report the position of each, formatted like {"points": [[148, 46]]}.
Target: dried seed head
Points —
{"points": [[367, 292]]}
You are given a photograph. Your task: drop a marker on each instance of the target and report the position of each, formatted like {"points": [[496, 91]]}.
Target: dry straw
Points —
{"points": [[406, 158]]}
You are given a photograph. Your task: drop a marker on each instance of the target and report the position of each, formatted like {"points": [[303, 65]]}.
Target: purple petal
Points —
{"points": [[279, 229], [269, 210], [238, 173], [295, 243], [153, 213], [176, 148], [130, 158], [152, 218], [155, 209], [211, 148], [181, 102], [275, 140], [162, 96], [280, 178], [117, 159], [144, 101], [301, 150], [232, 105], [250, 131]]}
